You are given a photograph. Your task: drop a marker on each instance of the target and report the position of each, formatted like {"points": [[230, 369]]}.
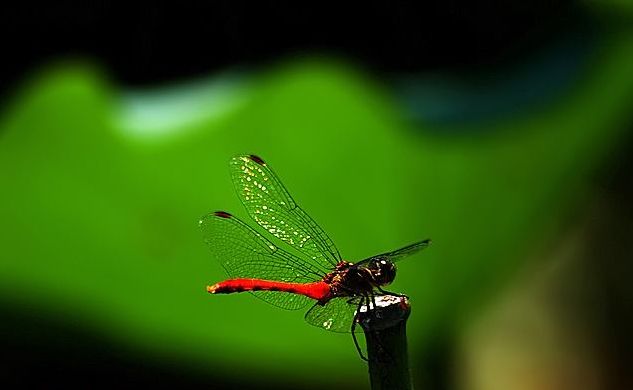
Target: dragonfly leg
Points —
{"points": [[354, 323], [385, 292]]}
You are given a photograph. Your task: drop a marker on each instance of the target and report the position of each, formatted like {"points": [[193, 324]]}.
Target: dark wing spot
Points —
{"points": [[257, 159], [222, 214]]}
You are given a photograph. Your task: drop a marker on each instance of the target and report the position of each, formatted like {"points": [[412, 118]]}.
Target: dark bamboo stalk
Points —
{"points": [[385, 332]]}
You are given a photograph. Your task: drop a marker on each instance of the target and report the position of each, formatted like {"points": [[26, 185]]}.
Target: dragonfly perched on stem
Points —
{"points": [[316, 273]]}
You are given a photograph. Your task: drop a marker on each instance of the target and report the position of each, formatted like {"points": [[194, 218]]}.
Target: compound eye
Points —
{"points": [[385, 272]]}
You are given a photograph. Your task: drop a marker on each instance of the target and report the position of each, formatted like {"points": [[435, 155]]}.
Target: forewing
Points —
{"points": [[244, 253], [336, 315], [408, 250], [271, 206]]}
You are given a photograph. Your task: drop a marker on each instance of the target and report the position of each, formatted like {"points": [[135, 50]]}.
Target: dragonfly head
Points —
{"points": [[382, 271]]}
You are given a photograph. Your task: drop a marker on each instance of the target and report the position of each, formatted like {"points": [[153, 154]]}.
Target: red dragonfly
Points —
{"points": [[288, 280]]}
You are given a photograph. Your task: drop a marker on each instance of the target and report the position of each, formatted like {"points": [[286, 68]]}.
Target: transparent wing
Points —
{"points": [[284, 300], [244, 253], [336, 316], [271, 206], [398, 254]]}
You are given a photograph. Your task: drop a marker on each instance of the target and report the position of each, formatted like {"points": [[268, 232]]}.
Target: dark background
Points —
{"points": [[145, 44]]}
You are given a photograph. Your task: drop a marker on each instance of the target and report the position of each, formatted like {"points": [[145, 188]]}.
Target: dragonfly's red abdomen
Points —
{"points": [[316, 290]]}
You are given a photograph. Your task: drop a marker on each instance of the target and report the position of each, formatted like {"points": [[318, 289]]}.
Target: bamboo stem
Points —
{"points": [[385, 332]]}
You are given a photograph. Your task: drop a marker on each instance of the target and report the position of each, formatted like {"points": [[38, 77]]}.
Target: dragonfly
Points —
{"points": [[309, 270]]}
